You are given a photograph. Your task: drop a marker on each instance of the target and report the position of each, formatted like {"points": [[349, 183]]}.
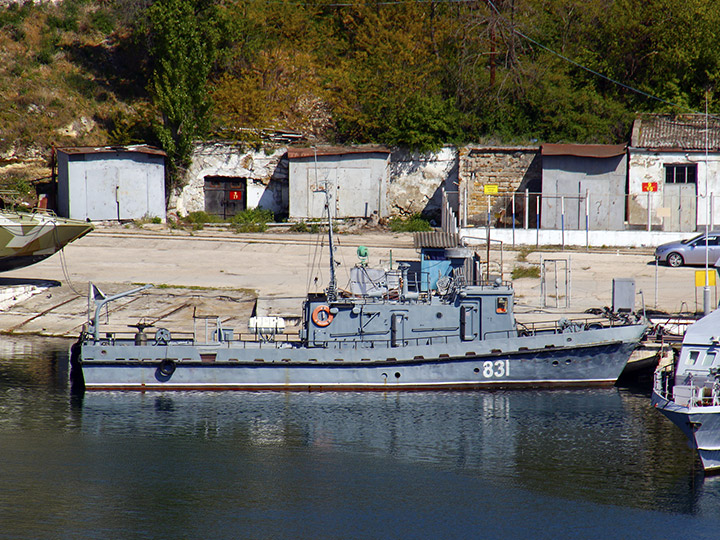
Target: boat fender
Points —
{"points": [[322, 323], [167, 367]]}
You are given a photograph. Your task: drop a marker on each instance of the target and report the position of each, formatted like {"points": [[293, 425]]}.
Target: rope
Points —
{"points": [[63, 262]]}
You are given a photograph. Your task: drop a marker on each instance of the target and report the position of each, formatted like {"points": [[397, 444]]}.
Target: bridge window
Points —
{"points": [[693, 357], [502, 305], [709, 359]]}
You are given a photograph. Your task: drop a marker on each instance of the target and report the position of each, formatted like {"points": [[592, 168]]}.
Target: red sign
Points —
{"points": [[235, 195], [649, 187]]}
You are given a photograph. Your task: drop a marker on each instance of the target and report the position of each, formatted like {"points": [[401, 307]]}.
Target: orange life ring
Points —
{"points": [[322, 322]]}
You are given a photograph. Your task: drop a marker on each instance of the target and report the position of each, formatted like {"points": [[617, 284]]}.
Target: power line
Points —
{"points": [[589, 70]]}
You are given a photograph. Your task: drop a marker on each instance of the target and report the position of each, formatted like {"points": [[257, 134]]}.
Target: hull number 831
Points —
{"points": [[496, 369]]}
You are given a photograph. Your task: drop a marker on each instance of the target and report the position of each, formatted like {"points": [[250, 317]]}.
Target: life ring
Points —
{"points": [[322, 323], [167, 367]]}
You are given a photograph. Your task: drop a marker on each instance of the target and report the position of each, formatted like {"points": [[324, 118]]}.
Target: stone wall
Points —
{"points": [[511, 169], [414, 181], [266, 172]]}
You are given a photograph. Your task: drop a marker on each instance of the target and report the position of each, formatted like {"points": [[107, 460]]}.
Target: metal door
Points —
{"points": [[131, 195], [363, 197], [397, 329], [225, 196], [681, 199], [469, 321]]}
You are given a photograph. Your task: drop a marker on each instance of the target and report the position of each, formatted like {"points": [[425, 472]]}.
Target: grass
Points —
{"points": [[414, 223], [252, 220], [312, 227], [244, 291], [523, 253], [520, 272]]}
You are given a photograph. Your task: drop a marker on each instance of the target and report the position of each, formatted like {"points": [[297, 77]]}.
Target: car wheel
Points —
{"points": [[675, 260]]}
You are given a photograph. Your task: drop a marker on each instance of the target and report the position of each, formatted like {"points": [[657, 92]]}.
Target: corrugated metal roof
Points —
{"points": [[584, 150], [138, 148], [296, 153], [681, 132], [435, 239]]}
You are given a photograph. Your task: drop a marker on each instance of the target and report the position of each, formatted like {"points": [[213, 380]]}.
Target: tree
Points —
{"points": [[182, 41]]}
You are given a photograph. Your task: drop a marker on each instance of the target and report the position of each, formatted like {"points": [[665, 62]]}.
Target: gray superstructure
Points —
{"points": [[403, 331], [687, 391]]}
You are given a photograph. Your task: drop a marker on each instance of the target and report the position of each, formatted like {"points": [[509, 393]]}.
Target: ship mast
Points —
{"points": [[331, 290]]}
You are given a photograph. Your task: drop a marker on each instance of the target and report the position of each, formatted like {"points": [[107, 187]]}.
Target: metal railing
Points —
{"points": [[652, 211]]}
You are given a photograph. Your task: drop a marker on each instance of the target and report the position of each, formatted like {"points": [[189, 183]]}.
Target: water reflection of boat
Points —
{"points": [[29, 237], [687, 390]]}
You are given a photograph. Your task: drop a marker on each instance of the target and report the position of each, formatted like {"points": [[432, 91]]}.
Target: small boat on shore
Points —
{"points": [[29, 237], [687, 390]]}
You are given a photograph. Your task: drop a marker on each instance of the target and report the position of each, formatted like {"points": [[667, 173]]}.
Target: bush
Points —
{"points": [[414, 223], [252, 220], [200, 218], [526, 272], [305, 227]]}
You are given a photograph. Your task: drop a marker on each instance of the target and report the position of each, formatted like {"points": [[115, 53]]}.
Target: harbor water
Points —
{"points": [[506, 464]]}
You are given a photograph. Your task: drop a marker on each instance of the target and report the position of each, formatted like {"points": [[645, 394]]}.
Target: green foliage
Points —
{"points": [[415, 74], [252, 220], [182, 42], [102, 21], [200, 217], [311, 227], [414, 223], [526, 272]]}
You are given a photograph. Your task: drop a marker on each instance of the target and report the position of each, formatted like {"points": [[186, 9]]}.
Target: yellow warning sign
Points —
{"points": [[490, 189], [700, 278]]}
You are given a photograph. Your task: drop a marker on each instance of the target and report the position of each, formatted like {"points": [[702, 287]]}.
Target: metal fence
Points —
{"points": [[675, 212]]}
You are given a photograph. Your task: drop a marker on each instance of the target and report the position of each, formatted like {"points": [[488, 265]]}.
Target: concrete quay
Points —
{"points": [[216, 272]]}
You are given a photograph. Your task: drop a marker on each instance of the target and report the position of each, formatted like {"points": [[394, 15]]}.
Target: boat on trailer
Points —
{"points": [[687, 390], [395, 329]]}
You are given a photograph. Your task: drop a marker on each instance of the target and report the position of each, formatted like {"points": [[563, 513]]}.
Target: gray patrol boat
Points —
{"points": [[435, 327], [687, 390]]}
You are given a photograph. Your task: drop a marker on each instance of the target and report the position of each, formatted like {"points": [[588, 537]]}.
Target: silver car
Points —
{"points": [[690, 251]]}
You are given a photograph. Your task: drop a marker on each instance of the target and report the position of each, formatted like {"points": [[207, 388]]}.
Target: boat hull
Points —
{"points": [[28, 238], [701, 425], [593, 358]]}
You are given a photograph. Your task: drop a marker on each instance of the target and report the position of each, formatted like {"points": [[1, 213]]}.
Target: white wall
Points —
{"points": [[414, 180], [648, 166], [554, 237], [265, 170]]}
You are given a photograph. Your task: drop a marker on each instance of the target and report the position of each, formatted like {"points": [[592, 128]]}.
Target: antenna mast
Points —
{"points": [[331, 291]]}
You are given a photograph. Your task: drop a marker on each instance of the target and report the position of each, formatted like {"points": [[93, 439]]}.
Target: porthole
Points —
{"points": [[397, 374]]}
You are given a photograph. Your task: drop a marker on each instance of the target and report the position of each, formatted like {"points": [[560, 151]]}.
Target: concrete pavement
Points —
{"points": [[218, 272]]}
